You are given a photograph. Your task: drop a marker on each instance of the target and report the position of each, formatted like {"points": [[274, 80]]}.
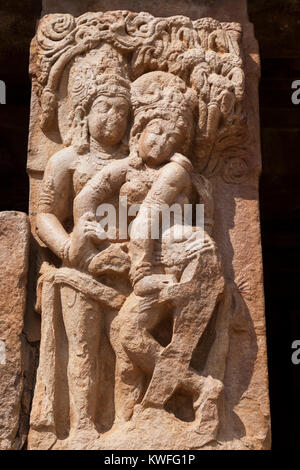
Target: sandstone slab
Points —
{"points": [[145, 343], [14, 242]]}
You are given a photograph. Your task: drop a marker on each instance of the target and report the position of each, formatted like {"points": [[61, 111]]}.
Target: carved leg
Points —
{"points": [[136, 352], [207, 407], [83, 323], [129, 384], [192, 316]]}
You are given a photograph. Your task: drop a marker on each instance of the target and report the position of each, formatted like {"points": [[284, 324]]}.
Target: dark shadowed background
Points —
{"points": [[277, 27]]}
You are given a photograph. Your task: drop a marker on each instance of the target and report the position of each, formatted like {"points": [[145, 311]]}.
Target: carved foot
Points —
{"points": [[207, 408]]}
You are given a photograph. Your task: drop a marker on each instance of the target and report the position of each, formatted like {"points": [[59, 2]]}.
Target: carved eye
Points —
{"points": [[122, 111], [101, 106]]}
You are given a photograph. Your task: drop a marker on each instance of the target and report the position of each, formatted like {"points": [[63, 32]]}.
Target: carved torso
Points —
{"points": [[86, 166], [138, 183]]}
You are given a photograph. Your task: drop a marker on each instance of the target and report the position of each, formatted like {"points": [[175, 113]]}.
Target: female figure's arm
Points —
{"points": [[103, 185], [172, 181], [55, 205]]}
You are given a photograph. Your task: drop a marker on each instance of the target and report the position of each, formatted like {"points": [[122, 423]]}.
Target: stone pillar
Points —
{"points": [[147, 344], [14, 242]]}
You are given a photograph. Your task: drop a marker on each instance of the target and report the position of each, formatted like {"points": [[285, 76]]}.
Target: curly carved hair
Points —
{"points": [[100, 72], [184, 124], [162, 95]]}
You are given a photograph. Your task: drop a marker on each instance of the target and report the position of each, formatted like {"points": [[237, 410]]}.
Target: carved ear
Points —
{"points": [[79, 114], [80, 131], [48, 105]]}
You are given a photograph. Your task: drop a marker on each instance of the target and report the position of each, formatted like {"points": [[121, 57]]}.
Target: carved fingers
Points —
{"points": [[93, 231], [199, 246], [85, 231]]}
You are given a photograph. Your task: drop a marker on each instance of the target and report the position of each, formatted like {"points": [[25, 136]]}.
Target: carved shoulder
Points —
{"points": [[173, 180], [176, 175], [61, 162]]}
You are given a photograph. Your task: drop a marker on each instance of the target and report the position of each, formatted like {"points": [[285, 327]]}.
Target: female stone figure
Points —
{"points": [[157, 173], [71, 299]]}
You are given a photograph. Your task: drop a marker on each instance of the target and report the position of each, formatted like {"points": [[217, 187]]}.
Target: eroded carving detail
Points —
{"points": [[135, 332]]}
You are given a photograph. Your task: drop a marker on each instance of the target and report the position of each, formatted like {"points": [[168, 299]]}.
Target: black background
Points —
{"points": [[277, 28]]}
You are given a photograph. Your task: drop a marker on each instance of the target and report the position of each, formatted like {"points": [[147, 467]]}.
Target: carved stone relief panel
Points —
{"points": [[146, 342]]}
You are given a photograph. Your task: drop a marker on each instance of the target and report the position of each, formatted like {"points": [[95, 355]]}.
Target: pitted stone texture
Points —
{"points": [[14, 241]]}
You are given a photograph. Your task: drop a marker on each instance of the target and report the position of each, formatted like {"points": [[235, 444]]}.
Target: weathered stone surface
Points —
{"points": [[14, 242], [148, 345]]}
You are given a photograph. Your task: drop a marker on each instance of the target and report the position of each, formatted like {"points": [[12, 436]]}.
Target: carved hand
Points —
{"points": [[85, 232], [199, 246]]}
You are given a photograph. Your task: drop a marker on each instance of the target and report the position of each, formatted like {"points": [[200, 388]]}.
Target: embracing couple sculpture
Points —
{"points": [[122, 320]]}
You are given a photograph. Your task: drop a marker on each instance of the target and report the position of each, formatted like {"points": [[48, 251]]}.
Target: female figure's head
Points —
{"points": [[164, 109], [108, 118], [100, 96]]}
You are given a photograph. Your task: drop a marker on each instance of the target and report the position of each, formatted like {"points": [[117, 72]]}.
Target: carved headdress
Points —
{"points": [[162, 90], [100, 72], [166, 96]]}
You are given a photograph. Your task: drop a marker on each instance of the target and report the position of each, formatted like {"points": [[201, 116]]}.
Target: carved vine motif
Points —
{"points": [[155, 108]]}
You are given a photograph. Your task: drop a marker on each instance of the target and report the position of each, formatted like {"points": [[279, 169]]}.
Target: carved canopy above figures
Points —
{"points": [[205, 53]]}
